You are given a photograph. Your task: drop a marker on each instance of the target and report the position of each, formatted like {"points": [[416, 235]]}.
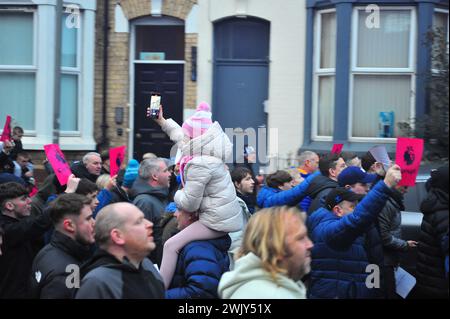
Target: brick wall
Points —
{"points": [[190, 87]]}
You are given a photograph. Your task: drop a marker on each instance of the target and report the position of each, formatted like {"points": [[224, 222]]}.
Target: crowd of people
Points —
{"points": [[195, 227]]}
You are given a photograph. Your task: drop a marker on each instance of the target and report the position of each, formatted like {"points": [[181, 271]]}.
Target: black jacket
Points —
{"points": [[431, 280], [389, 225], [105, 277], [49, 273], [18, 253], [119, 195], [18, 147], [80, 171], [318, 190], [6, 164]]}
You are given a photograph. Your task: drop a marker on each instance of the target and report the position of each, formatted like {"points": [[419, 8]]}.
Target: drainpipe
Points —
{"points": [[104, 125]]}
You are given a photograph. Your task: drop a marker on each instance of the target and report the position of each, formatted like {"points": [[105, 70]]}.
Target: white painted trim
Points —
{"points": [[191, 23], [121, 23], [18, 68], [373, 140], [317, 72], [45, 77], [86, 125], [77, 71], [380, 71], [159, 61], [384, 7], [410, 71], [156, 9], [83, 4], [412, 40], [131, 92]]}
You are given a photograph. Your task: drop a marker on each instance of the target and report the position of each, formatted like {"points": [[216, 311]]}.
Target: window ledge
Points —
{"points": [[66, 143]]}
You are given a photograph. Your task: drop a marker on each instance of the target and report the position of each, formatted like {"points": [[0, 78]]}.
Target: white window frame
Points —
{"points": [[25, 68], [439, 10], [355, 70], [317, 73], [44, 59], [76, 71]]}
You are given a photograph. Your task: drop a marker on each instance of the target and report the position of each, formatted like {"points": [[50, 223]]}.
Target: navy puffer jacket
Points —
{"points": [[200, 266], [344, 247]]}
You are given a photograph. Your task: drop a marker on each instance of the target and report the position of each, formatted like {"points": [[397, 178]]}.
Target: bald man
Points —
{"points": [[120, 269]]}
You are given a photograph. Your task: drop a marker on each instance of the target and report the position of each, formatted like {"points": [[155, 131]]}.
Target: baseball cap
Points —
{"points": [[353, 174], [338, 195]]}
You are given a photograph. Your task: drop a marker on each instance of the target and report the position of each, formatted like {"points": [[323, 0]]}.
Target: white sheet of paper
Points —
{"points": [[404, 281], [381, 155]]}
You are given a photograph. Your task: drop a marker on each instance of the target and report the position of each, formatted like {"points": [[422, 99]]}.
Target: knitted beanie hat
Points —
{"points": [[131, 173], [199, 122]]}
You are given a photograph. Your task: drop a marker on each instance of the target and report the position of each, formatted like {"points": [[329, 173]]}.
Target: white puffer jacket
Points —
{"points": [[208, 186]]}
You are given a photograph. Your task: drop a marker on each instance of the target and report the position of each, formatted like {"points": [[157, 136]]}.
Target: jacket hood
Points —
{"points": [[141, 186], [320, 183], [102, 258], [248, 268], [213, 143], [436, 200]]}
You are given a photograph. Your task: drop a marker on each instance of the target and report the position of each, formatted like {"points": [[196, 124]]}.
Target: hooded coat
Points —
{"points": [[249, 280], [105, 277], [208, 187], [318, 191]]}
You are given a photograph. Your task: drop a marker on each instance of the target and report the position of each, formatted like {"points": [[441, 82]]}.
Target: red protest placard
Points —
{"points": [[408, 156], [116, 158], [337, 148], [58, 162], [6, 134]]}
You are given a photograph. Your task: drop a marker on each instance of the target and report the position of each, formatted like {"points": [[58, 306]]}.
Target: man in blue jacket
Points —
{"points": [[200, 264], [347, 247]]}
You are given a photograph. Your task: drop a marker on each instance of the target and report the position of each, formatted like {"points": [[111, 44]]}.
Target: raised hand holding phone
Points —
{"points": [[155, 103]]}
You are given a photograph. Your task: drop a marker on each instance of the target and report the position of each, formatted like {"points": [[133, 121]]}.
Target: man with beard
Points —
{"points": [[71, 215]]}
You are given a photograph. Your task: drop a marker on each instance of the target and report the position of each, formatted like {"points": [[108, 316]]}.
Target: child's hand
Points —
{"points": [[160, 120]]}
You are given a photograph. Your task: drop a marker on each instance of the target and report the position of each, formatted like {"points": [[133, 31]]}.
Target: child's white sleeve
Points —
{"points": [[173, 130], [190, 197]]}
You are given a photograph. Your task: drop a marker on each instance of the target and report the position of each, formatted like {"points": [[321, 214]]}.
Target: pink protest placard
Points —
{"points": [[58, 162], [116, 158], [6, 134], [408, 156], [337, 148]]}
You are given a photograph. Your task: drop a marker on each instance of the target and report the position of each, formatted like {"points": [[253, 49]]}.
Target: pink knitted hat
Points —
{"points": [[199, 122]]}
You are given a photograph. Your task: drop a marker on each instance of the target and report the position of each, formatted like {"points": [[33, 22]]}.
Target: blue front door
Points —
{"points": [[241, 74]]}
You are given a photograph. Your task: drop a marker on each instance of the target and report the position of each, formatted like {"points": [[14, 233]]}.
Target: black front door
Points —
{"points": [[166, 79]]}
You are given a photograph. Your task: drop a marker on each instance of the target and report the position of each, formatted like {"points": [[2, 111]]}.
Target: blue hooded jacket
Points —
{"points": [[344, 247], [269, 197], [200, 266]]}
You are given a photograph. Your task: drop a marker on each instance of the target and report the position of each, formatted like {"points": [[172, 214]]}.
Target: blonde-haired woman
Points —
{"points": [[274, 256]]}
